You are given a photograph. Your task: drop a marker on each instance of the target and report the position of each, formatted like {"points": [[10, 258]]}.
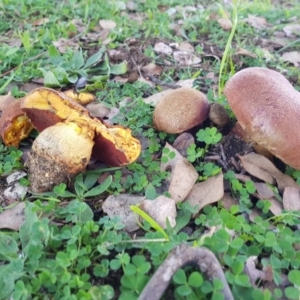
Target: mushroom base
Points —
{"points": [[44, 173]]}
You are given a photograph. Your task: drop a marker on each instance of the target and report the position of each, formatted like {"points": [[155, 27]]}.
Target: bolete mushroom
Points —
{"points": [[114, 145], [69, 135], [14, 124], [180, 110], [268, 108], [58, 153]]}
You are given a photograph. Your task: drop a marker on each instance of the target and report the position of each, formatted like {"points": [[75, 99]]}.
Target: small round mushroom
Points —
{"points": [[58, 154], [14, 125], [180, 110], [268, 108], [218, 115]]}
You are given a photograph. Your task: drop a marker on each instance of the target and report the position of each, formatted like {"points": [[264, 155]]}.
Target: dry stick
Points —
{"points": [[181, 256]]}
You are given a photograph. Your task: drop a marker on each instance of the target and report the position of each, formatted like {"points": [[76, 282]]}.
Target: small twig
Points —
{"points": [[223, 164], [223, 153], [212, 157], [181, 256], [157, 81]]}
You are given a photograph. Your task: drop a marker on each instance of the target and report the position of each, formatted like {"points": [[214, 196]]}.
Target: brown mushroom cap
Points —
{"points": [[46, 107], [14, 125], [180, 110], [59, 153], [268, 109]]}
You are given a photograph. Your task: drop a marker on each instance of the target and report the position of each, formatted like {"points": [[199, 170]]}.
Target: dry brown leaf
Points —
{"points": [[63, 44], [206, 192], [187, 83], [276, 207], [292, 57], [15, 192], [260, 167], [153, 100], [291, 198], [14, 217], [160, 209], [107, 24], [251, 270], [152, 69], [120, 206], [256, 22], [245, 52], [263, 190], [182, 142], [291, 29], [183, 178], [6, 100], [186, 47], [253, 214], [185, 58], [162, 48], [225, 23], [227, 201], [40, 21], [98, 110], [183, 175]]}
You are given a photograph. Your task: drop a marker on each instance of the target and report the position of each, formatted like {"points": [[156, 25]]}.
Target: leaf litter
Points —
{"points": [[181, 182]]}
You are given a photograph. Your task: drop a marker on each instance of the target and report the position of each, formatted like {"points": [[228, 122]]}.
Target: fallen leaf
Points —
{"points": [[162, 48], [14, 217], [161, 209], [186, 47], [152, 69], [276, 207], [183, 177], [206, 192], [225, 23], [107, 24], [260, 167], [256, 22], [120, 206], [263, 190], [6, 100], [63, 45], [291, 29], [292, 57], [227, 201], [291, 198], [98, 110], [185, 58], [251, 270], [15, 192], [245, 52], [182, 142], [40, 21], [187, 83], [153, 99], [15, 176]]}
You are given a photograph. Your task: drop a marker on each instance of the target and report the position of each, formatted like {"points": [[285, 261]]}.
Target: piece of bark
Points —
{"points": [[181, 256]]}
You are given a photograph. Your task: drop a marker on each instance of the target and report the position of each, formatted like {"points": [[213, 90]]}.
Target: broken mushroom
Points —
{"points": [[69, 135], [114, 145], [268, 109], [14, 125], [180, 110], [59, 153]]}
